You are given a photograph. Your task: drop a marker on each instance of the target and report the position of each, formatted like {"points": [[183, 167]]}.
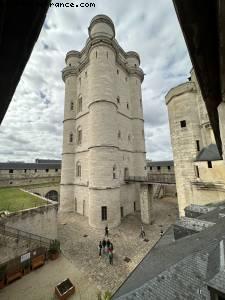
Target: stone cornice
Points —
{"points": [[112, 44], [183, 88]]}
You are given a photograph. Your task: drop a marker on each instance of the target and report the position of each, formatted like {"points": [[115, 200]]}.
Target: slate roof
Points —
{"points": [[209, 153], [178, 270], [28, 166], [218, 282], [162, 163]]}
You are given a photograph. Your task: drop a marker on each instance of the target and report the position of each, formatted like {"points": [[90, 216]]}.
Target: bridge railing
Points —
{"points": [[153, 178]]}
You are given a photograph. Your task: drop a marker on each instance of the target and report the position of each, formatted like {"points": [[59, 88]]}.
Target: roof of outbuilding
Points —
{"points": [[161, 163], [209, 153], [31, 166], [177, 270]]}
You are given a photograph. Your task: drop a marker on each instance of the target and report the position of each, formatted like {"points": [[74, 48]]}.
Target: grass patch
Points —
{"points": [[13, 199]]}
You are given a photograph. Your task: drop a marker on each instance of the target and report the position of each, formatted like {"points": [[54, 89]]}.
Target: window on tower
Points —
{"points": [[71, 105], [79, 104], [71, 138], [118, 99], [127, 105], [79, 135], [114, 172], [183, 123], [104, 213], [119, 134], [78, 169]]}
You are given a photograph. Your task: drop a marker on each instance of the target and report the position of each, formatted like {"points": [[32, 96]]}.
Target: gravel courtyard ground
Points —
{"points": [[80, 261]]}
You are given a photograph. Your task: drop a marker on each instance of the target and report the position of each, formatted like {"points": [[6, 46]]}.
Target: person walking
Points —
{"points": [[100, 248], [106, 231], [142, 231], [110, 257], [103, 245]]}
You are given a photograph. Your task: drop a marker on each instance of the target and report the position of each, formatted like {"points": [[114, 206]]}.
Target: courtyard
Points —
{"points": [[80, 260]]}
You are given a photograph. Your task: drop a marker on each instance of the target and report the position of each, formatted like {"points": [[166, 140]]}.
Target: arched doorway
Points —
{"points": [[52, 195]]}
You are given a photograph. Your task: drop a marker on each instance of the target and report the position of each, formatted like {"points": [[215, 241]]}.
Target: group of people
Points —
{"points": [[106, 247]]}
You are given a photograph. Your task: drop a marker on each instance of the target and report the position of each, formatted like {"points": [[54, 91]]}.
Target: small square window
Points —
{"points": [[168, 167], [158, 168], [183, 123], [25, 170], [46, 170], [56, 170], [35, 170], [11, 171]]}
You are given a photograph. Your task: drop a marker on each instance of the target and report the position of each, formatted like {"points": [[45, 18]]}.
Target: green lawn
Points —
{"points": [[12, 199]]}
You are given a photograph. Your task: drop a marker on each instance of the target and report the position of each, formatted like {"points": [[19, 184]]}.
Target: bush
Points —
{"points": [[54, 246]]}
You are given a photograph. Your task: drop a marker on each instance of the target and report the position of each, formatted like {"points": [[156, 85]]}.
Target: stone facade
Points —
{"points": [[197, 182], [103, 138], [16, 174]]}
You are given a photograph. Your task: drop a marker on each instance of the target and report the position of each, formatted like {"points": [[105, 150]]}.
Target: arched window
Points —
{"points": [[71, 138], [79, 104], [78, 169], [79, 135], [114, 172], [71, 105], [118, 99], [119, 134]]}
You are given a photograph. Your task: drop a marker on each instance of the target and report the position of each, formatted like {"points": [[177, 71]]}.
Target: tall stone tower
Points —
{"points": [[103, 137], [191, 132]]}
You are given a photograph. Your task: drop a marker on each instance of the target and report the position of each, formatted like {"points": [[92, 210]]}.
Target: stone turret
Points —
{"points": [[103, 128]]}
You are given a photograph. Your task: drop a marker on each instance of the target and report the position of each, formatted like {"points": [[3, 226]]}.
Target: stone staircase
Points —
{"points": [[14, 242]]}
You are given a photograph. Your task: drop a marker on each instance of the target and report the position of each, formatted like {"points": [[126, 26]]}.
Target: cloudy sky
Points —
{"points": [[32, 127]]}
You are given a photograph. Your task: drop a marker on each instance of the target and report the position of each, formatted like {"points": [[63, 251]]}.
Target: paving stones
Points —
{"points": [[84, 252]]}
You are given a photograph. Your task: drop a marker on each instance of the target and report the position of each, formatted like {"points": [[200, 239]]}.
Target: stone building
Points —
{"points": [[103, 138], [21, 173], [199, 168]]}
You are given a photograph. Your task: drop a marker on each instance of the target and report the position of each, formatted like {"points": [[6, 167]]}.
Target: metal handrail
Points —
{"points": [[14, 232]]}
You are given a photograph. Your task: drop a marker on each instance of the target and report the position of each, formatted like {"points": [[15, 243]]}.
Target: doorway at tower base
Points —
{"points": [[146, 202]]}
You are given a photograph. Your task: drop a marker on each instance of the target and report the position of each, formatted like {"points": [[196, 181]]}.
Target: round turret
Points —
{"points": [[101, 25], [72, 58], [133, 59]]}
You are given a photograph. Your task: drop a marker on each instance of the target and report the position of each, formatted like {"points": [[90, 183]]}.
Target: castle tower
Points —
{"points": [[190, 132], [103, 137]]}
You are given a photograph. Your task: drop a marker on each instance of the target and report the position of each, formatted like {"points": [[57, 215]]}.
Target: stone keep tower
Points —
{"points": [[190, 131], [103, 138]]}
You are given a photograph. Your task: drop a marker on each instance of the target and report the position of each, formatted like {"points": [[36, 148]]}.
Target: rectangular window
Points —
{"points": [[46, 170], [56, 170], [168, 167], [209, 164], [35, 170], [11, 171], [104, 213], [197, 171], [134, 206], [150, 168], [121, 211], [197, 145], [182, 123], [158, 168], [25, 170]]}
